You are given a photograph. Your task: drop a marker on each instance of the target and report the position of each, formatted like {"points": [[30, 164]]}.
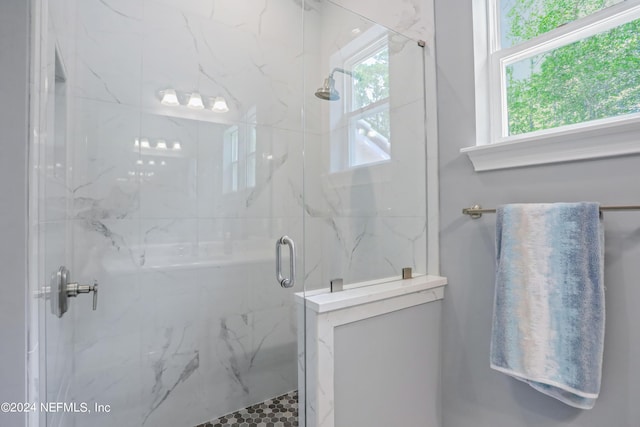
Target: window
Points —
{"points": [[231, 166], [368, 106], [239, 155], [251, 158], [362, 116], [557, 71]]}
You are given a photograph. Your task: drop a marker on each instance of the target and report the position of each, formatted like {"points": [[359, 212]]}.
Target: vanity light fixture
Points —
{"points": [[136, 143], [219, 105], [170, 98], [152, 162], [161, 145], [195, 101], [177, 146], [139, 162], [144, 143]]}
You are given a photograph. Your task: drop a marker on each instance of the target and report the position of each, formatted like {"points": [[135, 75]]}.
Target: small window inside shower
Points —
{"points": [[231, 166], [239, 154], [367, 106], [364, 119]]}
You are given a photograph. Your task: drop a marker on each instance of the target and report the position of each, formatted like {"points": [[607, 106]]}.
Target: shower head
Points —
{"points": [[328, 90]]}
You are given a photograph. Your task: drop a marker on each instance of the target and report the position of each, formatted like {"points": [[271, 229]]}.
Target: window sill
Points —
{"points": [[601, 139]]}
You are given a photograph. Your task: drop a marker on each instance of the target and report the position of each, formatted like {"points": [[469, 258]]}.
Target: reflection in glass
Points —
{"points": [[522, 20]]}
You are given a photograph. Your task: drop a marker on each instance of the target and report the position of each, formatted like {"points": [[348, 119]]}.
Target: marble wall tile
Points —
{"points": [[279, 174], [168, 176], [105, 178], [109, 51], [358, 249], [269, 181], [211, 167], [226, 362], [274, 366], [253, 71], [412, 18], [107, 371], [105, 247], [171, 349]]}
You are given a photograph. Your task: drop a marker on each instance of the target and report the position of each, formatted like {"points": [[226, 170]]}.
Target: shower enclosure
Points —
{"points": [[174, 143]]}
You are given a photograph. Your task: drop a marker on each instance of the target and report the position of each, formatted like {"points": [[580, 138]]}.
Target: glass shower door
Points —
{"points": [[168, 163]]}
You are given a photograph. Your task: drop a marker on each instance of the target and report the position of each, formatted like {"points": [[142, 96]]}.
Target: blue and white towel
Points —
{"points": [[549, 313]]}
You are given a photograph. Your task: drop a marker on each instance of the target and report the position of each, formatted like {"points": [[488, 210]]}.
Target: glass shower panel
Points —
{"points": [[170, 162], [365, 160]]}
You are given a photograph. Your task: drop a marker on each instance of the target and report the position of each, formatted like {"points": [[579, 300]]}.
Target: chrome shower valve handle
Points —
{"points": [[61, 289], [73, 289]]}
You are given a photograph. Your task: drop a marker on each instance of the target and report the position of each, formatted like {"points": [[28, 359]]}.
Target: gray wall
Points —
{"points": [[387, 369], [473, 394], [14, 74]]}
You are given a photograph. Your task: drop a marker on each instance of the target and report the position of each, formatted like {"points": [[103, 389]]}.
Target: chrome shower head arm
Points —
{"points": [[341, 70]]}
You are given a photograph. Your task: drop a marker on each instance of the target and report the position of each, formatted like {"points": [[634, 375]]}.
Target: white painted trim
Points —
{"points": [[568, 143], [324, 301], [494, 148], [574, 31], [481, 70]]}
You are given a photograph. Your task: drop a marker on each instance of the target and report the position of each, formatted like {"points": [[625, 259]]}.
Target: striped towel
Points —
{"points": [[549, 312]]}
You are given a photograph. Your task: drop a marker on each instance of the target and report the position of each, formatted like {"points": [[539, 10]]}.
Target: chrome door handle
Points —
{"points": [[291, 280]]}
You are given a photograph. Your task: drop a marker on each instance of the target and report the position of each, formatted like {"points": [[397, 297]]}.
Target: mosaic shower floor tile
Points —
{"points": [[281, 411]]}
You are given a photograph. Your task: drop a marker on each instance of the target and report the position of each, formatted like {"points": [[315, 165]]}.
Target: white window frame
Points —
{"points": [[230, 163], [340, 112], [352, 114], [244, 166], [251, 158], [495, 149]]}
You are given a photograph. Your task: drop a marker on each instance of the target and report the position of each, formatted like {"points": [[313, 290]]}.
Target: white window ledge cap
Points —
{"points": [[600, 139]]}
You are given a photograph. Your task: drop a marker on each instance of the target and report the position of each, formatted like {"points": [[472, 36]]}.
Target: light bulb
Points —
{"points": [[220, 105], [177, 146], [144, 143], [161, 145], [163, 163], [170, 98], [139, 162], [152, 162], [136, 143], [195, 101]]}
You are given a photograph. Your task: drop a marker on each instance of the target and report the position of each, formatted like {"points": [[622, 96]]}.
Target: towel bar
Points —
{"points": [[476, 211]]}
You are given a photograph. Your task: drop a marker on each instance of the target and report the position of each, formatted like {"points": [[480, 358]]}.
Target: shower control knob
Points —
{"points": [[61, 288]]}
